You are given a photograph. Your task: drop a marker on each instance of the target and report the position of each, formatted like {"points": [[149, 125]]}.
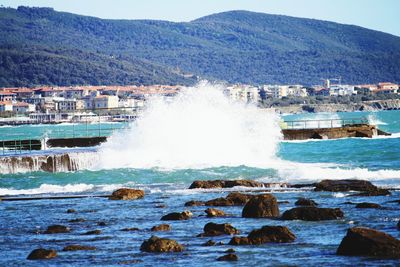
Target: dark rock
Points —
{"points": [[156, 244], [209, 243], [194, 203], [344, 185], [42, 254], [71, 211], [225, 184], [366, 205], [365, 187], [130, 229], [214, 212], [161, 227], [93, 232], [261, 206], [78, 247], [283, 202], [239, 199], [305, 202], [161, 206], [230, 250], [266, 234], [302, 185], [102, 224], [129, 262], [127, 194], [398, 225], [228, 257], [57, 229], [77, 220], [215, 229], [312, 214], [221, 202], [360, 241], [176, 216]]}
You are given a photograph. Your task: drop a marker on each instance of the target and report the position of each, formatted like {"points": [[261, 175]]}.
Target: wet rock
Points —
{"points": [[102, 224], [129, 262], [312, 214], [130, 229], [344, 185], [261, 206], [266, 234], [57, 229], [126, 194], [93, 232], [221, 202], [374, 193], [360, 241], [71, 211], [215, 229], [283, 202], [194, 203], [176, 216], [161, 206], [225, 184], [209, 243], [305, 202], [78, 247], [366, 205], [398, 225], [156, 244], [366, 187], [77, 220], [214, 212], [239, 199], [230, 250], [161, 227], [228, 257], [42, 254]]}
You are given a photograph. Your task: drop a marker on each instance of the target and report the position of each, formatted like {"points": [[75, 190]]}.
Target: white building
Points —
{"points": [[69, 104], [22, 107], [6, 106], [342, 89], [105, 101], [243, 93]]}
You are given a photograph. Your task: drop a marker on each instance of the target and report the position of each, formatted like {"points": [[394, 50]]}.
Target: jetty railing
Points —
{"points": [[322, 123]]}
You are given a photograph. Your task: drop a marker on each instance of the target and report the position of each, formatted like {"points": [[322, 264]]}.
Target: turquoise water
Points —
{"points": [[377, 160]]}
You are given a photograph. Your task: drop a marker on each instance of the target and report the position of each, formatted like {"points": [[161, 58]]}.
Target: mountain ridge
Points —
{"points": [[233, 46]]}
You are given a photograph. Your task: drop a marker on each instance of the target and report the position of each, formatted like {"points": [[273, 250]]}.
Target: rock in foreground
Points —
{"points": [[42, 254], [266, 234], [214, 212], [312, 214], [215, 229], [57, 229], [360, 241], [261, 206], [176, 216], [228, 257], [126, 194], [224, 184], [156, 244]]}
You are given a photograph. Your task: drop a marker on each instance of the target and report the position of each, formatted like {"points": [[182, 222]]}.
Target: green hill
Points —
{"points": [[42, 46]]}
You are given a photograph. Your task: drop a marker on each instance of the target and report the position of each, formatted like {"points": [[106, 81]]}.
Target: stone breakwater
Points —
{"points": [[376, 105]]}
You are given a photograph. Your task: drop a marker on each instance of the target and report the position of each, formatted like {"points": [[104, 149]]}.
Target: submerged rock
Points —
{"points": [[266, 234], [42, 254], [93, 232], [71, 211], [228, 257], [156, 244], [77, 220], [305, 202], [214, 212], [209, 243], [360, 241], [161, 227], [57, 229], [225, 184], [130, 229], [366, 205], [126, 194], [176, 216], [194, 203], [312, 214], [78, 247], [261, 206], [215, 229]]}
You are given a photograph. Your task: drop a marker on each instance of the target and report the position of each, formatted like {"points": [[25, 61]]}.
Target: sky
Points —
{"points": [[381, 15]]}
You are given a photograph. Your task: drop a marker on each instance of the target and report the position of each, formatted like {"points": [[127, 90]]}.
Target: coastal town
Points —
{"points": [[47, 104]]}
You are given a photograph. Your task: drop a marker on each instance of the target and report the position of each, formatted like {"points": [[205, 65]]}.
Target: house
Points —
{"points": [[387, 88], [22, 107], [6, 106], [105, 101], [69, 104], [7, 96]]}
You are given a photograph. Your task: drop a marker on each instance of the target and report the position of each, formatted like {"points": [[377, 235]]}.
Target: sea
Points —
{"points": [[199, 135]]}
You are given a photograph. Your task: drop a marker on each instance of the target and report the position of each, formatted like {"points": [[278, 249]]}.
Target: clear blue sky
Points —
{"points": [[382, 15]]}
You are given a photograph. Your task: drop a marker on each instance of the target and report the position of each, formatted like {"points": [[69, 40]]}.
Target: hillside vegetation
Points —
{"points": [[42, 46]]}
